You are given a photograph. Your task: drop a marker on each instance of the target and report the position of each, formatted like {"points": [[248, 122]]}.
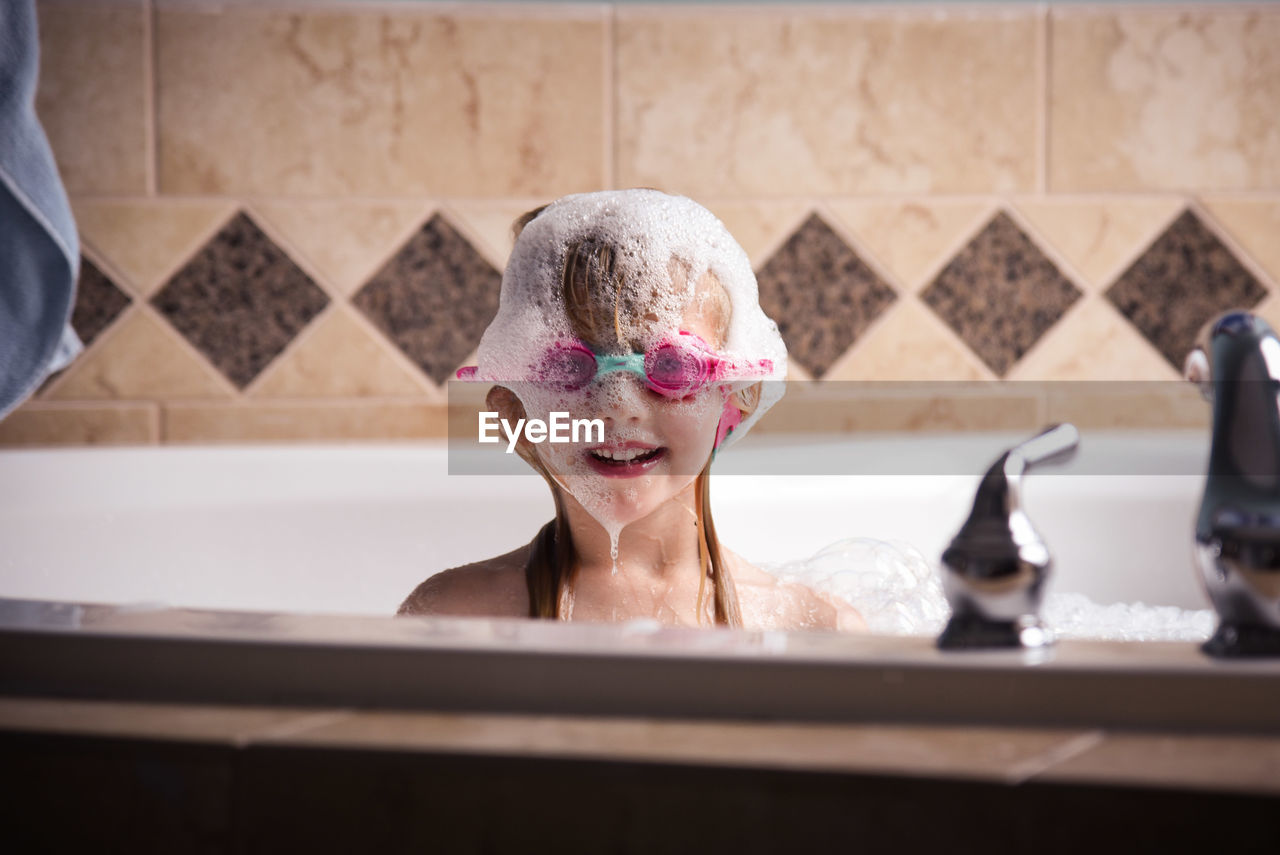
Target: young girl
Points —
{"points": [[638, 309]]}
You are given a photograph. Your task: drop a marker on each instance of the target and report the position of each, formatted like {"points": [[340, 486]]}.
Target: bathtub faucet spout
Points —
{"points": [[1236, 363], [994, 571]]}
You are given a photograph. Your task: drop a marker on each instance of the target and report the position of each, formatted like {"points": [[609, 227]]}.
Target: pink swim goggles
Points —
{"points": [[676, 367]]}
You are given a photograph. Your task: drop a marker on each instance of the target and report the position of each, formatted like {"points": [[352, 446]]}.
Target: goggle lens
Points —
{"points": [[569, 366], [675, 369]]}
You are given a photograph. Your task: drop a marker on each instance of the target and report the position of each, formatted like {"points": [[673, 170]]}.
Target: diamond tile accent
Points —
{"points": [[1000, 294], [98, 302], [146, 240], [1186, 278], [240, 300], [821, 294], [434, 298], [909, 343]]}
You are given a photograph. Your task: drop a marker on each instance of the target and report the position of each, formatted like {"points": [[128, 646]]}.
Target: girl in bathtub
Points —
{"points": [[637, 309]]}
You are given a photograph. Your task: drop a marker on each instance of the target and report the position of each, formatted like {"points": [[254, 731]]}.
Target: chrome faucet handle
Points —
{"points": [[1236, 363], [994, 571]]}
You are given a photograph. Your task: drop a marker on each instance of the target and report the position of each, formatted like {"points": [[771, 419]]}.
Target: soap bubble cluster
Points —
{"points": [[890, 583], [663, 246], [1076, 616], [899, 592]]}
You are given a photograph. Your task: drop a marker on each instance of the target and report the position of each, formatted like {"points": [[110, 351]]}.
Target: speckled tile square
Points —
{"points": [[1182, 281], [98, 302], [821, 294], [434, 298], [240, 300], [1000, 293], [146, 240]]}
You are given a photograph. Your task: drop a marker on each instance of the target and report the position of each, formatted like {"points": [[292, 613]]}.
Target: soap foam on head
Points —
{"points": [[649, 230], [663, 247]]}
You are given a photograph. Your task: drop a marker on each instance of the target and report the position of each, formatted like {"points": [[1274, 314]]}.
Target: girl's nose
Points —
{"points": [[620, 396]]}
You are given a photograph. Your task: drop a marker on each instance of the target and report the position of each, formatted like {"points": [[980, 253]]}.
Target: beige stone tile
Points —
{"points": [[185, 722], [338, 357], [771, 102], [832, 407], [302, 421], [1164, 99], [909, 343], [142, 357], [1100, 237], [487, 225], [91, 97], [1231, 763], [1172, 405], [915, 239], [345, 241], [1255, 225], [1093, 341], [390, 102], [149, 240], [968, 752], [45, 424], [760, 227]]}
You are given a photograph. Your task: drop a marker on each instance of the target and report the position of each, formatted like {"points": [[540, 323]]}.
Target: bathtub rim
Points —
{"points": [[182, 655]]}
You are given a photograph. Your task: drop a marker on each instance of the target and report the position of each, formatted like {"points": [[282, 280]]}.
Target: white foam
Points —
{"points": [[648, 230], [898, 591]]}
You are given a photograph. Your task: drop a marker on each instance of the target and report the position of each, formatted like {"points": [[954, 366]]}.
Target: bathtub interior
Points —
{"points": [[351, 529]]}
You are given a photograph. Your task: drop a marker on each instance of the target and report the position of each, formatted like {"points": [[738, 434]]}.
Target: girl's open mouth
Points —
{"points": [[624, 462]]}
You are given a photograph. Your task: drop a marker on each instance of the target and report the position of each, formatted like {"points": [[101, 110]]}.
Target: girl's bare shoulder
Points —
{"points": [[767, 602], [494, 587]]}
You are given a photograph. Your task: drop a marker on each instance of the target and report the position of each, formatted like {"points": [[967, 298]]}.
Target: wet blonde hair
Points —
{"points": [[597, 304]]}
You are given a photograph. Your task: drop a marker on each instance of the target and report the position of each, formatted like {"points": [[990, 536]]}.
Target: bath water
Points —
{"points": [[899, 592]]}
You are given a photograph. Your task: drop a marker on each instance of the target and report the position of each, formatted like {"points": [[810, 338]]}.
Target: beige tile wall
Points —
{"points": [[341, 129]]}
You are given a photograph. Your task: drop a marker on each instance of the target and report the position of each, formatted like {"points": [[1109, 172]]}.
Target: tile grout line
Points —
{"points": [[856, 245], [780, 237], [149, 95], [1044, 34], [1022, 772], [156, 423], [1141, 247], [1243, 256], [1267, 194]]}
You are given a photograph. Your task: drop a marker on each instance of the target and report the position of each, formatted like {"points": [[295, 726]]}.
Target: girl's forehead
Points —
{"points": [[706, 307], [699, 312]]}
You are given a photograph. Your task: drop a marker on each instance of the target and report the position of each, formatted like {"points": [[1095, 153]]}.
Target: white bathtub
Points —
{"points": [[252, 546], [353, 528]]}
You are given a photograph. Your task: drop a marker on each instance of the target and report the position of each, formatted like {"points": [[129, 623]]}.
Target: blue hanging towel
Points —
{"points": [[39, 250]]}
